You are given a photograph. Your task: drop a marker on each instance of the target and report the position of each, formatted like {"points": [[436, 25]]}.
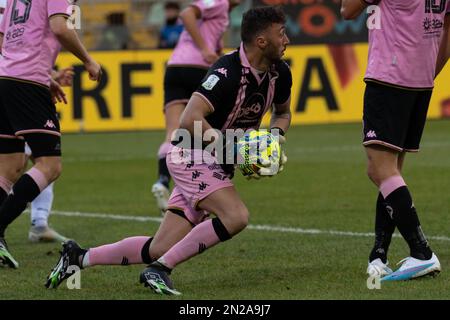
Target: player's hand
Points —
{"points": [[94, 69], [209, 56], [265, 170], [64, 77], [57, 92]]}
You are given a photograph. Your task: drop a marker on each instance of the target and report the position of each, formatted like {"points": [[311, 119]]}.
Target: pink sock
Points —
{"points": [[124, 252], [5, 184], [200, 238], [391, 184], [163, 150], [38, 178]]}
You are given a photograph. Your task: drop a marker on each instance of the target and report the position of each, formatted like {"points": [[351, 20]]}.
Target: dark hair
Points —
{"points": [[172, 5], [257, 20]]}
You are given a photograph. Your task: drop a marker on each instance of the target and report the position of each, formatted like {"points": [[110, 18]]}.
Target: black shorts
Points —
{"points": [[27, 112], [180, 83], [394, 117]]}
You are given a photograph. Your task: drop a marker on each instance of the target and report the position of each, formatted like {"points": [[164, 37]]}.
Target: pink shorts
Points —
{"points": [[195, 178]]}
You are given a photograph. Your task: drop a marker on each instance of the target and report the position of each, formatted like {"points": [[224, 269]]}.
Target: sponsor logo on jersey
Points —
{"points": [[211, 82]]}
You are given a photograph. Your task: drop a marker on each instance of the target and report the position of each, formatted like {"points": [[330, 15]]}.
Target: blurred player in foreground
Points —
{"points": [[237, 91], [27, 102], [199, 46], [406, 52]]}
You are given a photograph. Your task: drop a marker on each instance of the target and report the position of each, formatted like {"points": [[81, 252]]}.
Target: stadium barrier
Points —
{"points": [[327, 87]]}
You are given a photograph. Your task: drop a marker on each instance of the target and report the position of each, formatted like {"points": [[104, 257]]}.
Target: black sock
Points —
{"points": [[384, 228], [24, 190], [405, 216], [3, 196], [163, 171]]}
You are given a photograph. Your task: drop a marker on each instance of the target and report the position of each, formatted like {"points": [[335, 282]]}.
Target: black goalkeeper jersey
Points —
{"points": [[239, 95]]}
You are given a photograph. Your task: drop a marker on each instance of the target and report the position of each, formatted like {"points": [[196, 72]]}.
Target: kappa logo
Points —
{"points": [[222, 71], [202, 186], [49, 124], [196, 174], [371, 134], [211, 82]]}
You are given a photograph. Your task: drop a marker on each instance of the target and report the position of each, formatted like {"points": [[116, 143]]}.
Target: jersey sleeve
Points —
{"points": [[58, 8], [209, 8], [283, 85], [217, 85]]}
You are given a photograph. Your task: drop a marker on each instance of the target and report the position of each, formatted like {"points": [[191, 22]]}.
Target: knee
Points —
{"points": [[236, 220], [50, 168], [55, 170]]}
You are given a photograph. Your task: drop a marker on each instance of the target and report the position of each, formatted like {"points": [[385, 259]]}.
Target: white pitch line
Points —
{"points": [[251, 227]]}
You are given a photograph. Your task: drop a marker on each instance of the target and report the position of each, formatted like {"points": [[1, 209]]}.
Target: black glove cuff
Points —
{"points": [[279, 129]]}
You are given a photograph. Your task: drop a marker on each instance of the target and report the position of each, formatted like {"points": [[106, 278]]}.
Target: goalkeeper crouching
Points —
{"points": [[235, 94]]}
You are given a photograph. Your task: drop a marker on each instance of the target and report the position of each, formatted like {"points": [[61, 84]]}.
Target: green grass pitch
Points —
{"points": [[324, 187]]}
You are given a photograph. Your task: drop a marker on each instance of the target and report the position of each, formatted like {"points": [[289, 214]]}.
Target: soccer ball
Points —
{"points": [[258, 149]]}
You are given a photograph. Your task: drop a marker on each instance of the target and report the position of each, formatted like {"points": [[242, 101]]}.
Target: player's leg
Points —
{"points": [[422, 261], [208, 189], [379, 136], [10, 169], [179, 84], [231, 218], [132, 250], [382, 164], [11, 164], [40, 211], [34, 181], [384, 224], [32, 117], [160, 189]]}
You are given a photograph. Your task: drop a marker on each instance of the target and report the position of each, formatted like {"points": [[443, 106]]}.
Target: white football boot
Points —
{"points": [[377, 268], [414, 268], [44, 234], [161, 194]]}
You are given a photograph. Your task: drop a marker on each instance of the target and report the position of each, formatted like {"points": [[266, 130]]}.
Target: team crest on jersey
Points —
{"points": [[211, 82]]}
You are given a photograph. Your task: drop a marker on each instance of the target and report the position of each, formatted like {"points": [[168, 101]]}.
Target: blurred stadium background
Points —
{"points": [[309, 239]]}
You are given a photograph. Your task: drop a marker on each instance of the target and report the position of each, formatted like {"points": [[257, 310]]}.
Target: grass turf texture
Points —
{"points": [[324, 186]]}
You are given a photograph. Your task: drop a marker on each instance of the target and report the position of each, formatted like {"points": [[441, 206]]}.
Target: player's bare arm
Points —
{"points": [[196, 110], [281, 116], [444, 50], [351, 9], [190, 15], [69, 40], [64, 76]]}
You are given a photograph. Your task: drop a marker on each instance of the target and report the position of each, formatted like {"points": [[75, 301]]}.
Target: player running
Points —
{"points": [[31, 35], [41, 206], [405, 54], [199, 46], [237, 91]]}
